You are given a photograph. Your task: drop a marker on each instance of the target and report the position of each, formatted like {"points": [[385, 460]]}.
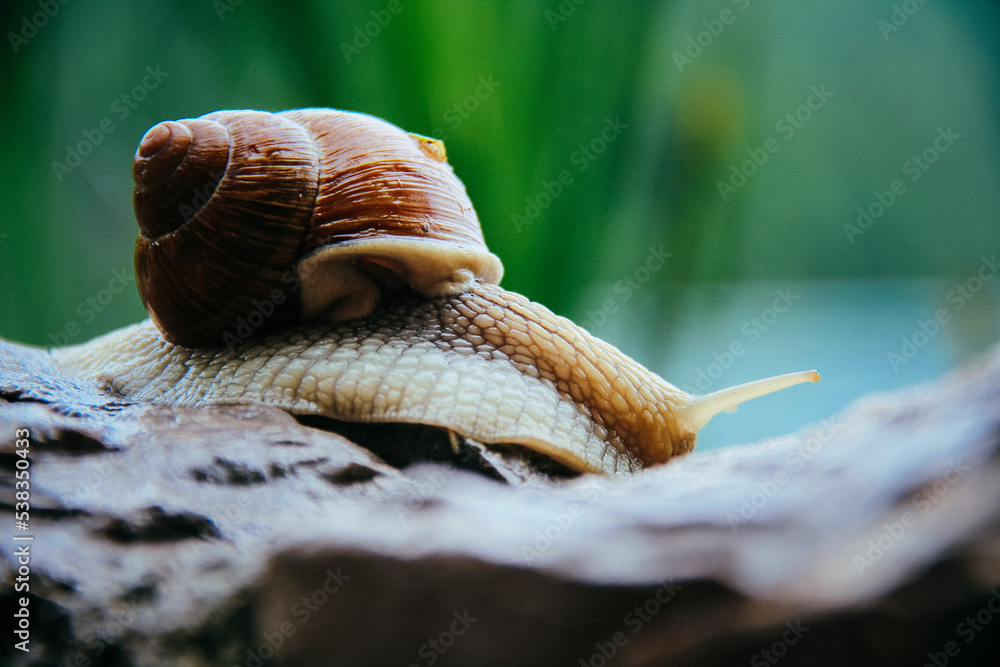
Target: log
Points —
{"points": [[241, 535]]}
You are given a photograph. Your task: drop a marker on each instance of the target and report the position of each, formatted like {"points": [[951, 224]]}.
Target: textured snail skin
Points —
{"points": [[488, 364]]}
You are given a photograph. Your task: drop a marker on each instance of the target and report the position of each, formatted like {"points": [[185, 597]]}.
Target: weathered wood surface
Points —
{"points": [[239, 536]]}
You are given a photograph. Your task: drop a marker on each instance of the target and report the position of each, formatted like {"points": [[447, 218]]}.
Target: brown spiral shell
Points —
{"points": [[252, 220]]}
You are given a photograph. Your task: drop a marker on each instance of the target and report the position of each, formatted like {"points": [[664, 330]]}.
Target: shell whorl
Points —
{"points": [[268, 219]]}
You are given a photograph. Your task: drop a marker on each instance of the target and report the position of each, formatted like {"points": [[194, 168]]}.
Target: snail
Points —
{"points": [[327, 262]]}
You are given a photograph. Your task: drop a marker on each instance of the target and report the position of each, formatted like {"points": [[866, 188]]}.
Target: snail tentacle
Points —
{"points": [[700, 409]]}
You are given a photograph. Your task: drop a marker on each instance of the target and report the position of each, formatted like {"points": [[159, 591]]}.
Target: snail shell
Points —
{"points": [[399, 318], [345, 205]]}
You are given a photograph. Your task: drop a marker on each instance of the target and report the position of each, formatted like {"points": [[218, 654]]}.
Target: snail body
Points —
{"points": [[431, 339]]}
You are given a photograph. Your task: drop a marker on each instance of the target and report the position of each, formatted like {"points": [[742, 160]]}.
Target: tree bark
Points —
{"points": [[242, 536]]}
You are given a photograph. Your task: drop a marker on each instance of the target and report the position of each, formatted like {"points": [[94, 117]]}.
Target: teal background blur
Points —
{"points": [[592, 137]]}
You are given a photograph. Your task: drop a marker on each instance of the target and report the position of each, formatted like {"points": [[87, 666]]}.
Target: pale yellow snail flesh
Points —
{"points": [[486, 363]]}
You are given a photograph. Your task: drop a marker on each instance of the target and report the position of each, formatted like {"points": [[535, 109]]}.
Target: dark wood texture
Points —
{"points": [[239, 536]]}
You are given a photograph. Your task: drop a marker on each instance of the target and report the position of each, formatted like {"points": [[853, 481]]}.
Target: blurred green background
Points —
{"points": [[685, 179]]}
